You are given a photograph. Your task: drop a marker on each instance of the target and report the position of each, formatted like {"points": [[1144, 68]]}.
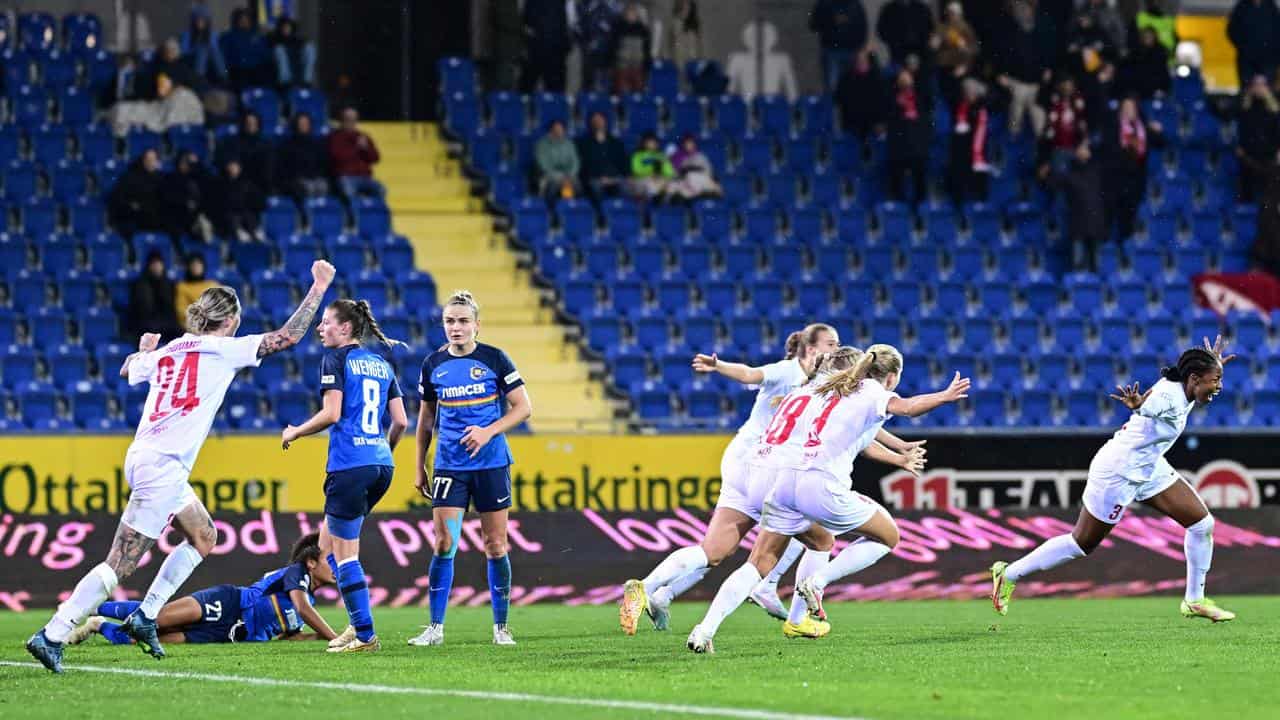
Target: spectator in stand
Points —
{"points": [[1086, 45], [191, 285], [695, 176], [1065, 127], [246, 52], [603, 160], [181, 197], [597, 23], [1154, 17], [631, 50], [906, 28], [651, 170], [1111, 24], [1053, 20], [957, 42], [174, 105], [1081, 180], [910, 133], [1266, 246], [863, 96], [151, 302], [969, 172], [841, 26], [352, 156], [508, 52], [250, 149], [1126, 143], [169, 61], [546, 26], [557, 163], [236, 205], [125, 86], [1258, 137], [1254, 29], [199, 48], [1099, 90], [302, 163], [1021, 66], [1146, 70], [134, 203], [684, 34], [295, 58]]}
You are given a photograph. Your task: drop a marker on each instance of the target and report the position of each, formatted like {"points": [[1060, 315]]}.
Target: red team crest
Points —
{"points": [[1227, 484]]}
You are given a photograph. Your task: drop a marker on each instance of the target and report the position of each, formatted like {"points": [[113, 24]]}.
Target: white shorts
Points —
{"points": [[800, 498], [1108, 492], [159, 490], [743, 486]]}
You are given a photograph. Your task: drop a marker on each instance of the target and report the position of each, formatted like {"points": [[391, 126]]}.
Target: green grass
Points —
{"points": [[1123, 658]]}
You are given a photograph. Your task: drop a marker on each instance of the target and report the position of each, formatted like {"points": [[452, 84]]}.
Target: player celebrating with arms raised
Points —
{"points": [[358, 386], [465, 386], [1131, 466], [189, 378]]}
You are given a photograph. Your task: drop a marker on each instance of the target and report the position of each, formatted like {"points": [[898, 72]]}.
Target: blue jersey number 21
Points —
{"points": [[370, 416]]}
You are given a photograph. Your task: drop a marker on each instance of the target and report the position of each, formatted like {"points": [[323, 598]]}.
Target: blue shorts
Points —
{"points": [[488, 490], [220, 620], [350, 494]]}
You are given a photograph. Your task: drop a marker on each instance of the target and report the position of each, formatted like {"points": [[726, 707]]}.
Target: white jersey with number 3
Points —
{"points": [[1134, 451], [189, 378], [816, 432]]}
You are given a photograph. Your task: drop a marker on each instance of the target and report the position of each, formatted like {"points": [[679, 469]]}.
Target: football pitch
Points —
{"points": [[1050, 658]]}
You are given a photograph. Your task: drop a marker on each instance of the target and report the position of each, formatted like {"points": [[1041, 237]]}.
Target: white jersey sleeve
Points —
{"points": [[780, 378], [1149, 432], [241, 352], [141, 366]]}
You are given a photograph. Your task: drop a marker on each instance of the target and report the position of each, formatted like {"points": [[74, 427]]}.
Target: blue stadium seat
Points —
{"points": [[1025, 333], [989, 407], [310, 102], [97, 325], [653, 402], [895, 221], [68, 364], [604, 333], [273, 289], [731, 115], [552, 106], [507, 112], [773, 115], [686, 114], [652, 332], [704, 402], [59, 254], [38, 402], [292, 402], [19, 181], [641, 113], [602, 259], [818, 115], [756, 156], [139, 140], [1042, 296], [746, 332], [1250, 333], [28, 106], [280, 217], [325, 216], [1115, 334], [1244, 223], [461, 114], [623, 219], [761, 223], [670, 222], [49, 327], [265, 103], [19, 365], [68, 181], [1082, 406], [28, 289], [577, 219], [49, 144], [97, 145], [664, 79], [931, 334], [457, 74]]}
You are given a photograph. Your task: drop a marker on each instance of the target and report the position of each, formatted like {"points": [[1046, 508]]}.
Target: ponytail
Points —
{"points": [[360, 315], [795, 342], [845, 382]]}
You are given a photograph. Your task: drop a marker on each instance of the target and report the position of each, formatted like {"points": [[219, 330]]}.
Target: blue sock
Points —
{"points": [[500, 588], [115, 634], [333, 565], [118, 610], [355, 594], [441, 578]]}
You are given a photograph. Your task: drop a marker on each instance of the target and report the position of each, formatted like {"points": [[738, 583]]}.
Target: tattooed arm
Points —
{"points": [[296, 328]]}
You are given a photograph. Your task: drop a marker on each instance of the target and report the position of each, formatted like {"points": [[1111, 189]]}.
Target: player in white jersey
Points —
{"points": [[806, 457], [1131, 466], [189, 378]]}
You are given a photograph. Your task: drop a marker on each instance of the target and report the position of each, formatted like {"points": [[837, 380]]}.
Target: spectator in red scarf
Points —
{"points": [[969, 171], [863, 96], [910, 131], [353, 155], [1065, 126], [1126, 143]]}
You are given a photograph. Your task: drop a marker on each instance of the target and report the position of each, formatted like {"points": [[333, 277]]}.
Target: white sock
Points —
{"points": [[1198, 547], [665, 594], [173, 573], [94, 588], [731, 594], [789, 557], [1053, 552], [810, 564], [855, 558], [680, 562]]}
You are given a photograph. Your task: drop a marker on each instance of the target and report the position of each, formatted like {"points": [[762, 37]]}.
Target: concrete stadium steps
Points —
{"points": [[453, 239]]}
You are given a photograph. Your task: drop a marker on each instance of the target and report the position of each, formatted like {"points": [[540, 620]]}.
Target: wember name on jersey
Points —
{"points": [[368, 367]]}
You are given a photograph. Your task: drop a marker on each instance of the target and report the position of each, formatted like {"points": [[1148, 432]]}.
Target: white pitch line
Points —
{"points": [[711, 711]]}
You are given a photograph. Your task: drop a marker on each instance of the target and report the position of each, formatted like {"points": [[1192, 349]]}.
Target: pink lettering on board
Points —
{"points": [[65, 552]]}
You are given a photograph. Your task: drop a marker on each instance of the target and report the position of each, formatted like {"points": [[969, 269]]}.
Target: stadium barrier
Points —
{"points": [[581, 557], [68, 474]]}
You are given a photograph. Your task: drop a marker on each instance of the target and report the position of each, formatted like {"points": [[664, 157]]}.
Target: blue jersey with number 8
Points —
{"points": [[367, 382]]}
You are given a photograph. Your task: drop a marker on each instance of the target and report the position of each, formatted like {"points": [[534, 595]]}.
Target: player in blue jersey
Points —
{"points": [[471, 395], [277, 606], [358, 387]]}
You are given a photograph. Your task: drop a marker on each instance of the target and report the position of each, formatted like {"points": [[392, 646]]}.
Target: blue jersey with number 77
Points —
{"points": [[367, 382]]}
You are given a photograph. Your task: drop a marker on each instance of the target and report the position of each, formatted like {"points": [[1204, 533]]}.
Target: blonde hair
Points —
{"points": [[214, 307], [466, 299], [842, 358], [360, 315], [878, 362]]}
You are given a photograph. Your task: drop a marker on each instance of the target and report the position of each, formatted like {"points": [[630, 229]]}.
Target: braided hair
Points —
{"points": [[363, 324], [878, 362], [1196, 361]]}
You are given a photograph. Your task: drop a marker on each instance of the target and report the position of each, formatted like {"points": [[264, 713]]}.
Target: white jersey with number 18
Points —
{"points": [[189, 378], [824, 432]]}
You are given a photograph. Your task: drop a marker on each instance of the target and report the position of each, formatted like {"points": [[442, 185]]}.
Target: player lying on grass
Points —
{"points": [[1131, 466], [274, 607], [805, 459], [809, 352]]}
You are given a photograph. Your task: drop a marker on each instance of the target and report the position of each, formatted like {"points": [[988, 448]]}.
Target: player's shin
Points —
{"points": [[117, 610], [88, 594], [731, 594], [1198, 547], [175, 570], [789, 557], [1053, 552], [855, 558], [440, 584], [355, 595], [679, 563], [811, 563], [499, 588]]}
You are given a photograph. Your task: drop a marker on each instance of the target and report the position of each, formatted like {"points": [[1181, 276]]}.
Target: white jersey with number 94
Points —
{"points": [[189, 378], [824, 432]]}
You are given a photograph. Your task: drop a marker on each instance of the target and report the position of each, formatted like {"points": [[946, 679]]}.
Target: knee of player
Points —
{"points": [[713, 558], [444, 544], [496, 547], [1087, 545], [204, 540], [1203, 526]]}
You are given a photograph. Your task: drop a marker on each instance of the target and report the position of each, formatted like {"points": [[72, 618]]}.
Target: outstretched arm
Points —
{"points": [[912, 461], [329, 415], [895, 443], [296, 327], [921, 404], [744, 374], [310, 616], [1130, 396]]}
